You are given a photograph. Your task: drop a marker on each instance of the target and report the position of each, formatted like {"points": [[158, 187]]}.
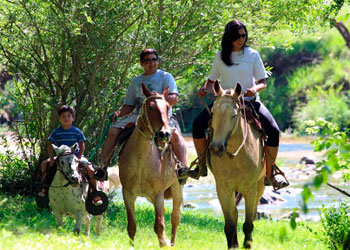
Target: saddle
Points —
{"points": [[252, 117], [124, 137]]}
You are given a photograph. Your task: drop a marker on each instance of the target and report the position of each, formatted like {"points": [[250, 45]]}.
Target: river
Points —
{"points": [[202, 195]]}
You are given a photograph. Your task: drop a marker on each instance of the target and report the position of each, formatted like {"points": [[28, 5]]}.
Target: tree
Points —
{"points": [[84, 53]]}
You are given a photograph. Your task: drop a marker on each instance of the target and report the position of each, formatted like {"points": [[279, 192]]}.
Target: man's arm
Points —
{"points": [[171, 99], [123, 111]]}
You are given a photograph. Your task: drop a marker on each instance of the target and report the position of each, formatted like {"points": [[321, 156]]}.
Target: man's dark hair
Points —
{"points": [[146, 52], [66, 108]]}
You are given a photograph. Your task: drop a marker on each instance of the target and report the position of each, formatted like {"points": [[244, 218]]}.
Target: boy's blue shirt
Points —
{"points": [[67, 137]]}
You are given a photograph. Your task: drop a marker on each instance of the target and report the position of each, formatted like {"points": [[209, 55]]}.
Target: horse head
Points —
{"points": [[68, 163], [225, 114], [154, 115]]}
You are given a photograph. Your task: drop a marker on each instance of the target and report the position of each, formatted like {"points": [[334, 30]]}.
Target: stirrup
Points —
{"points": [[101, 174], [276, 183]]}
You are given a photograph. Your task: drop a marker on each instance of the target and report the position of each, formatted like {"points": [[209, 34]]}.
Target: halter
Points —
{"points": [[59, 169], [242, 108], [144, 114]]}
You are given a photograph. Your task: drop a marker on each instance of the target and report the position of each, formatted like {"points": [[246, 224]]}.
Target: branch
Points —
{"points": [[338, 189]]}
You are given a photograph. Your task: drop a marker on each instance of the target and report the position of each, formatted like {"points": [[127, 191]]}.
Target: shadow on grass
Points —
{"points": [[20, 214]]}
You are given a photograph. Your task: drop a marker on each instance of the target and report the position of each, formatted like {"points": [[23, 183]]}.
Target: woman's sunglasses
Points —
{"points": [[241, 35]]}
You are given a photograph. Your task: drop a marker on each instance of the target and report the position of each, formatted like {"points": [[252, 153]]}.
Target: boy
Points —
{"points": [[66, 134]]}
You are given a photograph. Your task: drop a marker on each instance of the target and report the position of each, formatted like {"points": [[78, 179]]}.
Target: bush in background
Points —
{"points": [[336, 223]]}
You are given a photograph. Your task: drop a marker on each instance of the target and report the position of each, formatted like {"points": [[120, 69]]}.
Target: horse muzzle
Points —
{"points": [[217, 149], [163, 136]]}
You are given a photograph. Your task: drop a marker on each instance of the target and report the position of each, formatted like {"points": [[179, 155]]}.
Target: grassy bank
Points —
{"points": [[22, 226]]}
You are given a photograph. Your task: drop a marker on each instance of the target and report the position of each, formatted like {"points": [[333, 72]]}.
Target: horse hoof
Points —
{"points": [[248, 244]]}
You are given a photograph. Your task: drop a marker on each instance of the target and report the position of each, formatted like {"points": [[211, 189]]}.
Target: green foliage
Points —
{"points": [[14, 174], [336, 145], [329, 105], [336, 223]]}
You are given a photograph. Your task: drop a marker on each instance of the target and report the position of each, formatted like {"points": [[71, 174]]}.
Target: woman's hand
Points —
{"points": [[250, 92], [207, 88]]}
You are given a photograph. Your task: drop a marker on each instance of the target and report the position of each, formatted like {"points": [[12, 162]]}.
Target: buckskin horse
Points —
{"points": [[147, 166], [236, 162], [68, 192]]}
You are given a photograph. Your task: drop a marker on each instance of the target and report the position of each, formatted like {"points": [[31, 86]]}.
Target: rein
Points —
{"points": [[233, 155], [148, 124]]}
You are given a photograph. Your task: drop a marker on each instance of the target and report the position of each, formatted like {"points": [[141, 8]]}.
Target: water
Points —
{"points": [[203, 196]]}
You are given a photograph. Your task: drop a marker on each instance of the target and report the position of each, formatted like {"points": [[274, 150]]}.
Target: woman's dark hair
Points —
{"points": [[66, 108], [231, 34], [146, 52]]}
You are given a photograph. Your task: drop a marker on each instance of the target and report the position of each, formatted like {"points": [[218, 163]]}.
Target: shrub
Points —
{"points": [[15, 175], [336, 223]]}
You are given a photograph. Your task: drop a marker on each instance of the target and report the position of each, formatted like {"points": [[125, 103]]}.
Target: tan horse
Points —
{"points": [[236, 153], [147, 168]]}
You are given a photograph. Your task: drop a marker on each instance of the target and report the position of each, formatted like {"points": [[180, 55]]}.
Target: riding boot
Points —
{"points": [[201, 168], [274, 176]]}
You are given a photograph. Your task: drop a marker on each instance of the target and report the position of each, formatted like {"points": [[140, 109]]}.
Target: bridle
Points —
{"points": [[241, 108], [145, 118], [59, 168]]}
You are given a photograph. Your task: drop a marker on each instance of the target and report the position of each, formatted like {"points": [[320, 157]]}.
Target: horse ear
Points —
{"points": [[74, 147], [217, 88], [145, 90], [238, 89], [166, 91]]}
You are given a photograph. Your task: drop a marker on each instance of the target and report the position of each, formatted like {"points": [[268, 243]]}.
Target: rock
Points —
{"points": [[307, 160], [190, 205], [262, 215]]}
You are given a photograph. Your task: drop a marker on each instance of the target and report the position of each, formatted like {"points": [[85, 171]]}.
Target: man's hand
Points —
{"points": [[115, 116]]}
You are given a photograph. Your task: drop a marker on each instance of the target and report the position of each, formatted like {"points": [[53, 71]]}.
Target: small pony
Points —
{"points": [[68, 192], [236, 161], [147, 166]]}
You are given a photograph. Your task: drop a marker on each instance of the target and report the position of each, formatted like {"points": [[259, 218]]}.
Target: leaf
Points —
{"points": [[282, 233]]}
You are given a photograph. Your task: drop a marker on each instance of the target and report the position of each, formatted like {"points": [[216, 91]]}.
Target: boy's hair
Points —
{"points": [[146, 52], [66, 108]]}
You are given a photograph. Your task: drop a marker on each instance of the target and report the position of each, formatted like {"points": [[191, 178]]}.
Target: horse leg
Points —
{"points": [[87, 220], [129, 201], [159, 220], [78, 218], [175, 215], [260, 191], [59, 218], [99, 219], [229, 209], [250, 207]]}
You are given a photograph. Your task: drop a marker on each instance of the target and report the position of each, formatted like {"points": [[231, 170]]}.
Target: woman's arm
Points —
{"points": [[260, 85]]}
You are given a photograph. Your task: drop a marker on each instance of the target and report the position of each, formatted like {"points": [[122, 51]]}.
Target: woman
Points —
{"points": [[236, 62]]}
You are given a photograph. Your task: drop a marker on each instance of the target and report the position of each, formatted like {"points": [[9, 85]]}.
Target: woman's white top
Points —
{"points": [[247, 69]]}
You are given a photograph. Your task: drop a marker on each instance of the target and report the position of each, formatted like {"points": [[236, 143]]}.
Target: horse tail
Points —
{"points": [[167, 193], [113, 177]]}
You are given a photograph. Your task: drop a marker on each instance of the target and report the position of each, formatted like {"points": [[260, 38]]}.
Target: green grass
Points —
{"points": [[22, 226]]}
